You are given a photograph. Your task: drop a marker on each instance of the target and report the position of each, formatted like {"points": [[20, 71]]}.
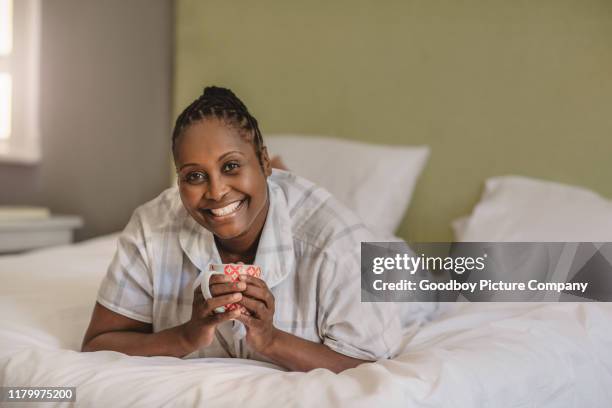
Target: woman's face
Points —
{"points": [[221, 182]]}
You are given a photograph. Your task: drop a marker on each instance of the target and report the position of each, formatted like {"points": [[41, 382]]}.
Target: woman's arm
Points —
{"points": [[111, 331], [298, 354], [281, 347]]}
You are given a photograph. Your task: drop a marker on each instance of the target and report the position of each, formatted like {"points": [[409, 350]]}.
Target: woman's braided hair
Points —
{"points": [[220, 103]]}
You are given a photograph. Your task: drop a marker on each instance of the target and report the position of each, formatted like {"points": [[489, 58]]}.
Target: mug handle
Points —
{"points": [[204, 281]]}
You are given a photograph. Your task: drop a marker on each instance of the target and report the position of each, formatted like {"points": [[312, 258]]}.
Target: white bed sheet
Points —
{"points": [[474, 355]]}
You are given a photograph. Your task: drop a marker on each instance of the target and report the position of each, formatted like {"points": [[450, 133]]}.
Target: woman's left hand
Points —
{"points": [[259, 301]]}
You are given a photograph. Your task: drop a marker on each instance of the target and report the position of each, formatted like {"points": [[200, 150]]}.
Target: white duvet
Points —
{"points": [[473, 355]]}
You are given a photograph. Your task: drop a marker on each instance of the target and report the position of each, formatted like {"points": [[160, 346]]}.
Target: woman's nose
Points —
{"points": [[216, 189]]}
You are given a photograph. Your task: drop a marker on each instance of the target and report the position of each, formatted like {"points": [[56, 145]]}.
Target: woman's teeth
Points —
{"points": [[227, 210]]}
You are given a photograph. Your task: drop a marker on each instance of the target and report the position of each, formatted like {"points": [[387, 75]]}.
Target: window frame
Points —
{"points": [[23, 65]]}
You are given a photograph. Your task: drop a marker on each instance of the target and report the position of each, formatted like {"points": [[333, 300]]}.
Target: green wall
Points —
{"points": [[494, 87]]}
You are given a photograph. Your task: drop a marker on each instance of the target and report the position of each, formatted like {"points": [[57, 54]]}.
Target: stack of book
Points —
{"points": [[21, 213]]}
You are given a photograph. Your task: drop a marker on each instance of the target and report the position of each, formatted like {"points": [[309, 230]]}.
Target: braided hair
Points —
{"points": [[223, 104]]}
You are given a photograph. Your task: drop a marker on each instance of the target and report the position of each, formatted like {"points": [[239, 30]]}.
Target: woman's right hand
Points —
{"points": [[199, 331]]}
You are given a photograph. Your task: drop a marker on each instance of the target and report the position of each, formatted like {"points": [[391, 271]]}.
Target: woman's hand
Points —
{"points": [[199, 331], [259, 301]]}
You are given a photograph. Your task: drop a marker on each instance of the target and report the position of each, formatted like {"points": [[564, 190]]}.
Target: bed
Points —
{"points": [[461, 355], [470, 355]]}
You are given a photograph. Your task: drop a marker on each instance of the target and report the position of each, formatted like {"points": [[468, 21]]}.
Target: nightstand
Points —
{"points": [[22, 235]]}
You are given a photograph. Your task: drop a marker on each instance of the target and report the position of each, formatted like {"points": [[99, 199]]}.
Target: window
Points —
{"points": [[19, 80]]}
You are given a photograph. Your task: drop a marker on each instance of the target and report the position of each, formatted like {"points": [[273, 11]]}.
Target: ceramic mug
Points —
{"points": [[233, 271]]}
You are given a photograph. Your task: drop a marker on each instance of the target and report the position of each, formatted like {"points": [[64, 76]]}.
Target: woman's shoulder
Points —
{"points": [[297, 191], [319, 220], [162, 211]]}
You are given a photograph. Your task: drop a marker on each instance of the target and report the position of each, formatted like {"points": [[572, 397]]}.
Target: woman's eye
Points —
{"points": [[195, 177], [230, 166]]}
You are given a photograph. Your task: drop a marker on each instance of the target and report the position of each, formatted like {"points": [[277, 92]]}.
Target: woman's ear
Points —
{"points": [[265, 161]]}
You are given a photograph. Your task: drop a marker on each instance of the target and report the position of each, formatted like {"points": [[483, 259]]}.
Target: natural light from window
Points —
{"points": [[20, 25], [6, 46], [5, 105], [6, 27]]}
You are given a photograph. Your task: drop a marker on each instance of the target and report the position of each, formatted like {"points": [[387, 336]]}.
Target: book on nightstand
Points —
{"points": [[15, 213]]}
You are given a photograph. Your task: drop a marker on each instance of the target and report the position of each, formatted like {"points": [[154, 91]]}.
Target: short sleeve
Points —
{"points": [[127, 288], [364, 330]]}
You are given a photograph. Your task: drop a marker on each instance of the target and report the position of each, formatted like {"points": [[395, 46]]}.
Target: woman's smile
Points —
{"points": [[225, 213]]}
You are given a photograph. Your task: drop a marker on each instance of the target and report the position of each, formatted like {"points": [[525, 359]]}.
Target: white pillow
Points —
{"points": [[459, 225], [375, 181], [516, 209]]}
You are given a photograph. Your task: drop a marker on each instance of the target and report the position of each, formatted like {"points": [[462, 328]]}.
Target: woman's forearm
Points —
{"points": [[298, 354], [287, 350], [167, 342]]}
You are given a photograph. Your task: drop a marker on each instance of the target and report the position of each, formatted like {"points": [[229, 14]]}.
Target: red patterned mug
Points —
{"points": [[233, 271]]}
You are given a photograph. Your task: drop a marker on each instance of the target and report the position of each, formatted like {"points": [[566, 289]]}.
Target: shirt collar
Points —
{"points": [[274, 254]]}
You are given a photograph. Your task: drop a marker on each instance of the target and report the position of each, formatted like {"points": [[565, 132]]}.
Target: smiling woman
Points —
{"points": [[222, 183], [303, 313]]}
